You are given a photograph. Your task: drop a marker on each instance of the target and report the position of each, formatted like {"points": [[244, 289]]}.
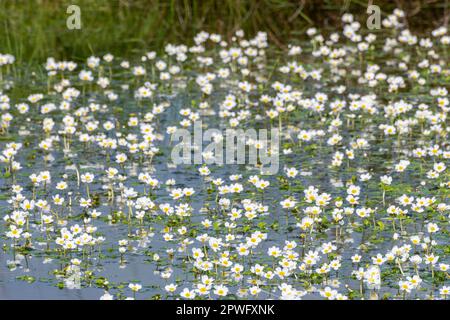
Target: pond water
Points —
{"points": [[357, 210]]}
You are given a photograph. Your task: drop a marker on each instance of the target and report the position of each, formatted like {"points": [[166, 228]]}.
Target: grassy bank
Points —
{"points": [[35, 29]]}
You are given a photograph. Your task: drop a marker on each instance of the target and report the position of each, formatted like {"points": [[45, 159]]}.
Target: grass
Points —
{"points": [[33, 30]]}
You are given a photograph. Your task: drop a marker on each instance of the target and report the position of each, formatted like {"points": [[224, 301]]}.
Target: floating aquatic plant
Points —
{"points": [[91, 199]]}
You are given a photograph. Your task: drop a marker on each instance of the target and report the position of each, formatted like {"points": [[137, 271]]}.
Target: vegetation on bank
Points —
{"points": [[32, 30]]}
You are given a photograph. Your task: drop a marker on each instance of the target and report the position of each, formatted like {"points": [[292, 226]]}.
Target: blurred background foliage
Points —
{"points": [[33, 30]]}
